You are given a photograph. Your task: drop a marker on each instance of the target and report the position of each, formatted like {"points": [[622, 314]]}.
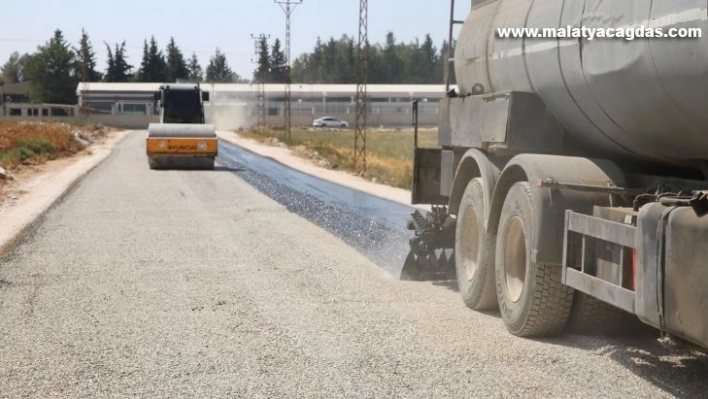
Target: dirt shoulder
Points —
{"points": [[32, 191], [287, 157]]}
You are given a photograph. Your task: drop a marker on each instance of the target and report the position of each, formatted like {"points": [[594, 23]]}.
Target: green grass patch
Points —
{"points": [[27, 150], [34, 143], [389, 152]]}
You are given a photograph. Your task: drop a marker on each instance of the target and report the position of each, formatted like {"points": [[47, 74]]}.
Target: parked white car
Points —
{"points": [[329, 121]]}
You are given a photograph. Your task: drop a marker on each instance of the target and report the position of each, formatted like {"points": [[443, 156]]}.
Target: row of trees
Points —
{"points": [[56, 67], [335, 61]]}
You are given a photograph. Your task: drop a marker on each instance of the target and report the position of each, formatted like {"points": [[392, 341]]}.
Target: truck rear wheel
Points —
{"points": [[474, 251], [532, 300]]}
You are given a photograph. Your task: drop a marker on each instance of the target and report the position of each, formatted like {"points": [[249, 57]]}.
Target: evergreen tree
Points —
{"points": [[264, 67], [428, 60], [140, 76], [441, 62], [335, 61], [301, 68], [195, 70], [218, 70], [346, 60], [377, 73], [278, 63], [86, 60], [153, 67], [317, 63], [392, 60], [118, 67], [412, 60], [51, 72], [176, 64], [13, 69]]}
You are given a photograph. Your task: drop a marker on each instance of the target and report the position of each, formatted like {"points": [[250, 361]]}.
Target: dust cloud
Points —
{"points": [[227, 112], [229, 115]]}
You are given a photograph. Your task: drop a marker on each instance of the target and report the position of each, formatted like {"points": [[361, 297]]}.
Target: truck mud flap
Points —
{"points": [[427, 177]]}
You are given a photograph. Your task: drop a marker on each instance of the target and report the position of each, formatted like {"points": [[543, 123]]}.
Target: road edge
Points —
{"points": [[25, 216]]}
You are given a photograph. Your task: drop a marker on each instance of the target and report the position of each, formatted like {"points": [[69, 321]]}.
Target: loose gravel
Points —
{"points": [[195, 284]]}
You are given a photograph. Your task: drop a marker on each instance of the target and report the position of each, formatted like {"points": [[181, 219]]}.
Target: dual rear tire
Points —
{"points": [[499, 270], [532, 299], [474, 251]]}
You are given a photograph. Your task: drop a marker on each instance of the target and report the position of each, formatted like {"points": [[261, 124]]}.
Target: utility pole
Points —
{"points": [[85, 94], [288, 6], [260, 95], [362, 72]]}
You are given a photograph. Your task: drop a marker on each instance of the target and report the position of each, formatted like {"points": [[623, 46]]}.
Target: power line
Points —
{"points": [[362, 67], [288, 6]]}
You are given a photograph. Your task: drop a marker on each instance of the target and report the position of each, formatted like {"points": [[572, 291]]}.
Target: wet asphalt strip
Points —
{"points": [[374, 226]]}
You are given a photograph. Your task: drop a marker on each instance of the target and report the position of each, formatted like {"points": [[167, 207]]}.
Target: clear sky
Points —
{"points": [[203, 25]]}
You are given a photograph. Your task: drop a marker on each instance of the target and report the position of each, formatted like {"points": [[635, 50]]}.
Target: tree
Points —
{"points": [[344, 64], [441, 62], [218, 70], [195, 70], [153, 67], [264, 68], [392, 60], [377, 66], [86, 60], [141, 75], [13, 69], [278, 64], [51, 72], [330, 62], [176, 64], [335, 61], [118, 67]]}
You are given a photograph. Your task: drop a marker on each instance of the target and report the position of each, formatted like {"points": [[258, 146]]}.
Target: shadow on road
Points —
{"points": [[449, 284], [681, 372]]}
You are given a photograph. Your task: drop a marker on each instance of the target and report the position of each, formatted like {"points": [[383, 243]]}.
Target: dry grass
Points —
{"points": [[24, 143], [389, 151]]}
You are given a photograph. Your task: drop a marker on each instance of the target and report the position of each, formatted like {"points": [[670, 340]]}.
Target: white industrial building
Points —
{"points": [[235, 105]]}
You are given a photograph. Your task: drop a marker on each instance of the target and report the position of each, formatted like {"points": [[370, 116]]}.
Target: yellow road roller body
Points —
{"points": [[183, 146], [181, 140]]}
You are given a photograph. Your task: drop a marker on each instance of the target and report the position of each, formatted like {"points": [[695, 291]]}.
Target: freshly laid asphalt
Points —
{"points": [[198, 284]]}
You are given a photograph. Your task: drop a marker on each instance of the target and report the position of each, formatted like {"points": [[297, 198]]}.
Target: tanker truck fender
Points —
{"points": [[475, 164], [549, 205]]}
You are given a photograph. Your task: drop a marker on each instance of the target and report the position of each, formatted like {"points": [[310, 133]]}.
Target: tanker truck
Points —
{"points": [[569, 189]]}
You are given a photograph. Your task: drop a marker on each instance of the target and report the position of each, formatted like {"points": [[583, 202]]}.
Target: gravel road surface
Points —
{"points": [[195, 284]]}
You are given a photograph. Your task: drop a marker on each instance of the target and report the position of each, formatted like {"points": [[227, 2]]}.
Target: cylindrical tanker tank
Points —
{"points": [[645, 97]]}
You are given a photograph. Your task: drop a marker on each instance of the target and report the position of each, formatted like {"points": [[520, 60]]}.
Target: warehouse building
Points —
{"points": [[235, 105]]}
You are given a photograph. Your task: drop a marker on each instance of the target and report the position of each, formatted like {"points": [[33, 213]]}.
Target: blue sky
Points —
{"points": [[214, 23]]}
